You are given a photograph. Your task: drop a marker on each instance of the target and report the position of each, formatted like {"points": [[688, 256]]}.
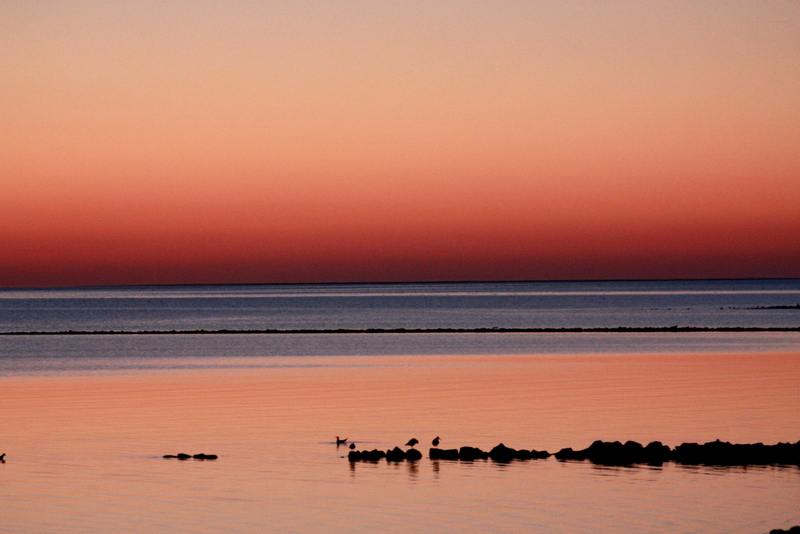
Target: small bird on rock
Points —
{"points": [[412, 442], [435, 441]]}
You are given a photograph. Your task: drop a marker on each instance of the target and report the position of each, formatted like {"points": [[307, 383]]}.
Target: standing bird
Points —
{"points": [[435, 441], [412, 442], [340, 441]]}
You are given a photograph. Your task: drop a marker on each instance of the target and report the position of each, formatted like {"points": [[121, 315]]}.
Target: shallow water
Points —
{"points": [[86, 419], [84, 452]]}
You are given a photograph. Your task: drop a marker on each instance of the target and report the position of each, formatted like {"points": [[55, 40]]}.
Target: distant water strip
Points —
{"points": [[617, 329]]}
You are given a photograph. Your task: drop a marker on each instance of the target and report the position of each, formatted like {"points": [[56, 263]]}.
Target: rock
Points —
{"points": [[522, 454], [502, 454], [469, 454], [656, 453], [396, 455], [443, 454], [539, 455], [373, 456], [792, 530], [567, 454], [354, 456], [413, 455], [183, 456], [723, 453]]}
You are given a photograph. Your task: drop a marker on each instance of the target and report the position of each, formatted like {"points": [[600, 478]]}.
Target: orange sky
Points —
{"points": [[207, 142]]}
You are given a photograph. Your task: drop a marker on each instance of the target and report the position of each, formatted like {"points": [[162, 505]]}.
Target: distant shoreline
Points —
{"points": [[618, 329]]}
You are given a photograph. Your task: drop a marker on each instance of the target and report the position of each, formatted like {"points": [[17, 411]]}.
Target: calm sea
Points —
{"points": [[86, 419]]}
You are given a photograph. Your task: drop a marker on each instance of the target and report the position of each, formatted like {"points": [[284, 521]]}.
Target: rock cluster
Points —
{"points": [[501, 453], [793, 530], [184, 456], [714, 453], [717, 453], [395, 455]]}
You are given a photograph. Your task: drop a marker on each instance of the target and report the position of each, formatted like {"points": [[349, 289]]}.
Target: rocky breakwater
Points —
{"points": [[394, 455], [715, 453], [500, 454], [184, 456]]}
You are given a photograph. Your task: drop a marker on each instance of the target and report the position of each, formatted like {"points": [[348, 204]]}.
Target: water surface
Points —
{"points": [[86, 419]]}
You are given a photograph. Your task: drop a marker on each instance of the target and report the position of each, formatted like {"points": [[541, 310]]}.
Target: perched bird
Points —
{"points": [[352, 446], [412, 442], [340, 441], [435, 441]]}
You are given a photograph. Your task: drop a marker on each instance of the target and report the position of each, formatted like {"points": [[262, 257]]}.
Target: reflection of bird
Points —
{"points": [[340, 441], [435, 441], [412, 442], [352, 446]]}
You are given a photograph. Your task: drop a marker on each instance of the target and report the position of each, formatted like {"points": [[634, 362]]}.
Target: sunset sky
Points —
{"points": [[151, 142]]}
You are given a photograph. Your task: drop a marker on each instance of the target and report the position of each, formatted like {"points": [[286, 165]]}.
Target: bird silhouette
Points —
{"points": [[412, 442], [3, 457], [352, 446], [340, 441], [435, 441]]}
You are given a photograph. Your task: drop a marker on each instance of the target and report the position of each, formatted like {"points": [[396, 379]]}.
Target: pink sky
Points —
{"points": [[206, 142]]}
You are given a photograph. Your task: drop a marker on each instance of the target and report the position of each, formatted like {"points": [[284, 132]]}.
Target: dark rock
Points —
{"points": [[183, 456], [469, 454], [202, 456], [656, 453], [567, 454], [539, 455], [793, 530], [373, 456], [443, 454], [723, 453], [396, 455], [365, 456], [413, 455], [522, 454], [502, 454]]}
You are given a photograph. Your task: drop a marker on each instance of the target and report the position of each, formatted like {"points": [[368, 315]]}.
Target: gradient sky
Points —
{"points": [[233, 142]]}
